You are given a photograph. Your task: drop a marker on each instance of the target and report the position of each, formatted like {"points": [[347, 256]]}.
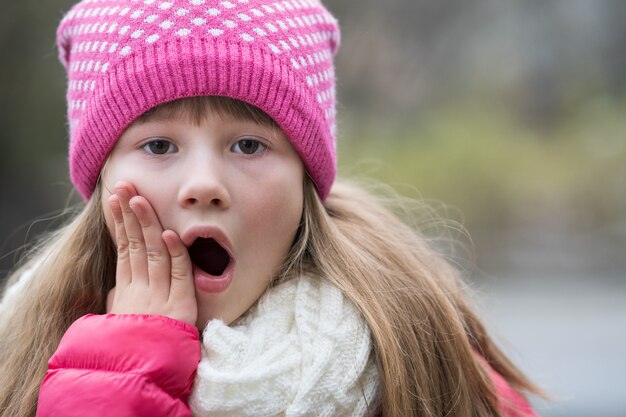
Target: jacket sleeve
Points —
{"points": [[121, 365]]}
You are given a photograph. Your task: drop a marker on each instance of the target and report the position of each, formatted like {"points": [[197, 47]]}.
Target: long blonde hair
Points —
{"points": [[427, 341]]}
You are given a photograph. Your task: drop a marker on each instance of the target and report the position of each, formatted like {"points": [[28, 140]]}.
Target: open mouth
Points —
{"points": [[209, 256]]}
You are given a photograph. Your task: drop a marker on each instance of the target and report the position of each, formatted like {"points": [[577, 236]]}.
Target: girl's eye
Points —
{"points": [[249, 146], [159, 147]]}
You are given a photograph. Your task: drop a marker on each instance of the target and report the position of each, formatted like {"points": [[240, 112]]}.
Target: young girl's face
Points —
{"points": [[228, 179]]}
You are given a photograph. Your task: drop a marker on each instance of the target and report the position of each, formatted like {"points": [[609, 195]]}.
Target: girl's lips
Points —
{"points": [[208, 232], [210, 283], [203, 280]]}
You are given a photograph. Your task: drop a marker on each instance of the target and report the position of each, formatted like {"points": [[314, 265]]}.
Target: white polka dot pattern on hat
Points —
{"points": [[251, 23]]}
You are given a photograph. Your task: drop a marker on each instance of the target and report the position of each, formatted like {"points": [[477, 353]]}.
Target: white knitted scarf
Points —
{"points": [[303, 350]]}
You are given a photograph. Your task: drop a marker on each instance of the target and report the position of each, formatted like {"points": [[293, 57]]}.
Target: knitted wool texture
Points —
{"points": [[303, 350], [124, 57]]}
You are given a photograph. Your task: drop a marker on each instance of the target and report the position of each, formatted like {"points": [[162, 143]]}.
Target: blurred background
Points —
{"points": [[507, 116]]}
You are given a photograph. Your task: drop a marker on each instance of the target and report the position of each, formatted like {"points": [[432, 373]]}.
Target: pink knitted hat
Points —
{"points": [[124, 57]]}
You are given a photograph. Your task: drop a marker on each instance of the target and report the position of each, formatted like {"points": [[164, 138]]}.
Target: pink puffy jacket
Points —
{"points": [[144, 366], [122, 366]]}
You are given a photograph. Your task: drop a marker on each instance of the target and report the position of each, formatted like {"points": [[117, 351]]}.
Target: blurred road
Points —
{"points": [[569, 334]]}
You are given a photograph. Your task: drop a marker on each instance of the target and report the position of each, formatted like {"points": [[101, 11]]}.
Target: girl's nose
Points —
{"points": [[203, 187]]}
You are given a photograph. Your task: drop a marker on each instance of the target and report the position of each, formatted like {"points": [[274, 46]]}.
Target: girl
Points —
{"points": [[202, 139]]}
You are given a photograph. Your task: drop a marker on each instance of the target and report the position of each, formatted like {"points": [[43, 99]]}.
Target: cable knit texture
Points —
{"points": [[124, 57], [303, 350]]}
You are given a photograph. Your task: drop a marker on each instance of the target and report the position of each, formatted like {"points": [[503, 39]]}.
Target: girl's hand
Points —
{"points": [[154, 273]]}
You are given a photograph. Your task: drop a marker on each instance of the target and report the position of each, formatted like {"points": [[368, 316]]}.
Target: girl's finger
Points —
{"points": [[157, 255], [123, 271], [182, 288], [134, 234]]}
